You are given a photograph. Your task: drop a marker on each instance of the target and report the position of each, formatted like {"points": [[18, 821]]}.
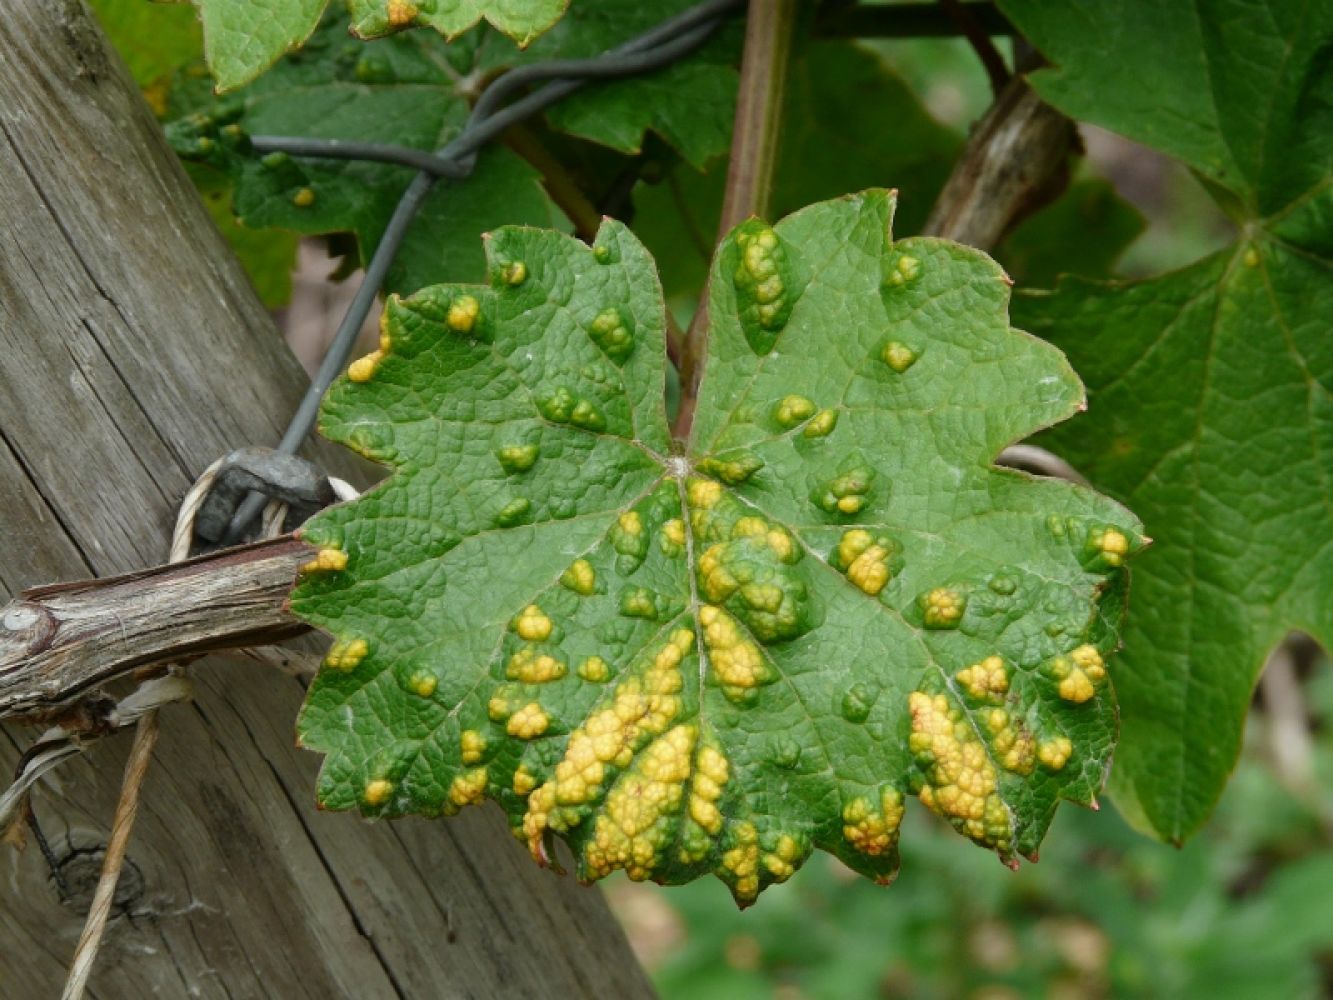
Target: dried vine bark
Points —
{"points": [[132, 354], [1015, 162]]}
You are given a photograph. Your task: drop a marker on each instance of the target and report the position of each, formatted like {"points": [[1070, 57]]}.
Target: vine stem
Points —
{"points": [[754, 150]]}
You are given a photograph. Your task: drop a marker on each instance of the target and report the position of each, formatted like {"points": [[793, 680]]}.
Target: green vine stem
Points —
{"points": [[754, 147]]}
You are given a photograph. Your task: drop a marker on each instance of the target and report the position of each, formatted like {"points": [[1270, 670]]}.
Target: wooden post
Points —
{"points": [[132, 353]]}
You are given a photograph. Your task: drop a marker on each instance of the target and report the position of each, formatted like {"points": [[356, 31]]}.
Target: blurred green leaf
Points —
{"points": [[1210, 387]]}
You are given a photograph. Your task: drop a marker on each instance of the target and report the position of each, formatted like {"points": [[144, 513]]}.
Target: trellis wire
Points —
{"points": [[654, 49]]}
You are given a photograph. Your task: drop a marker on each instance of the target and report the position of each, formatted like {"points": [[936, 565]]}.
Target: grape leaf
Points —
{"points": [[401, 90], [718, 657], [243, 39], [690, 103], [1210, 385]]}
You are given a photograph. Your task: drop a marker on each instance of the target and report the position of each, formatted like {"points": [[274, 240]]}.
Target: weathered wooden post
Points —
{"points": [[132, 353]]}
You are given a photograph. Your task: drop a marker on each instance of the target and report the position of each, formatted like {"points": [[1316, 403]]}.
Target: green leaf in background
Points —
{"points": [[1210, 386], [243, 39], [401, 90], [715, 660], [1083, 232], [155, 40], [521, 20], [690, 103]]}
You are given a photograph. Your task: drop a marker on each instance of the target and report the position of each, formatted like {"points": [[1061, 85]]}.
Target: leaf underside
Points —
{"points": [[1211, 386], [718, 657]]}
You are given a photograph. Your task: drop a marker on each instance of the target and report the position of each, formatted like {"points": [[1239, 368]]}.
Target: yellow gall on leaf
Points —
{"points": [[580, 577], [986, 679], [304, 198], [1055, 753], [898, 356], [528, 722], [531, 667], [1112, 545], [524, 781], [345, 654], [401, 13], [472, 745], [377, 792], [423, 684], [363, 369], [594, 670], [468, 788], [822, 424], [462, 314], [327, 560], [791, 410], [532, 624], [704, 493], [942, 607]]}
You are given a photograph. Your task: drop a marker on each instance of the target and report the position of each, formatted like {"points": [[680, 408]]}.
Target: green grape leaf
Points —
{"points": [[690, 103], [1210, 409], [243, 39], [715, 657], [1083, 232], [521, 20], [401, 90]]}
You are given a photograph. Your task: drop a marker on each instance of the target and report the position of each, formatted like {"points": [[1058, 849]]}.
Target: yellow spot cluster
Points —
{"points": [[1079, 673], [304, 198], [423, 684], [532, 624], [865, 560], [363, 368], [631, 523], [791, 410], [595, 670], [942, 607], [531, 667], [377, 791], [822, 425], [873, 831], [634, 825], [528, 722], [345, 654], [960, 781], [898, 356], [710, 774], [517, 457], [327, 560], [473, 746], [735, 659], [906, 268], [672, 538], [524, 781], [1112, 545], [704, 494], [467, 788], [1055, 753], [639, 707], [401, 13], [985, 680], [580, 577], [514, 273], [760, 267], [1013, 744], [781, 861], [741, 862], [463, 313]]}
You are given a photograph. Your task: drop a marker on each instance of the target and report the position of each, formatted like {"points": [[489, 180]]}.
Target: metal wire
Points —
{"points": [[656, 48]]}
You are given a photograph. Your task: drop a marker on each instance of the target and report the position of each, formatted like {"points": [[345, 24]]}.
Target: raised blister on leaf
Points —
{"points": [[716, 659]]}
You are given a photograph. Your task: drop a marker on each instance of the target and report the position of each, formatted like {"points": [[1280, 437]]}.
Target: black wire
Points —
{"points": [[654, 49]]}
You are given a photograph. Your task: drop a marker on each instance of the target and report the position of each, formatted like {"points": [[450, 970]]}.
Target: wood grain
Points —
{"points": [[133, 353]]}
